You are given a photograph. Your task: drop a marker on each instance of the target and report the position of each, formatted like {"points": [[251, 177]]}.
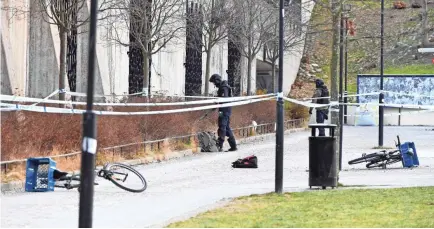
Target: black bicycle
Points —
{"points": [[112, 172], [381, 158]]}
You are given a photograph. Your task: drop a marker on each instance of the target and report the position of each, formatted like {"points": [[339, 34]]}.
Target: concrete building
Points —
{"points": [[30, 58]]}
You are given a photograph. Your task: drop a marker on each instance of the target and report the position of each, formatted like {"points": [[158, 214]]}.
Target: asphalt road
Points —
{"points": [[183, 187]]}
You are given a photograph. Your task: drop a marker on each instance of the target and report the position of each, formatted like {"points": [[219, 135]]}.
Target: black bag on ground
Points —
{"points": [[247, 162], [207, 142]]}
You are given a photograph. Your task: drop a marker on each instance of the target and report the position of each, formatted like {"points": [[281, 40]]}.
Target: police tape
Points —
{"points": [[11, 98], [44, 109], [49, 96], [79, 94], [345, 96], [309, 104], [234, 101]]}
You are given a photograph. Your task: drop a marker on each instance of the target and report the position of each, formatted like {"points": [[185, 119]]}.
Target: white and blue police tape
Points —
{"points": [[12, 98], [79, 111], [309, 104]]}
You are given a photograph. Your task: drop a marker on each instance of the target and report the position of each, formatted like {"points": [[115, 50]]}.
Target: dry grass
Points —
{"points": [[167, 149], [28, 134]]}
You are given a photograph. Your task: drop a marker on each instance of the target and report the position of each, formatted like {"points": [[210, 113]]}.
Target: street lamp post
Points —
{"points": [[89, 145], [346, 8], [279, 121], [381, 97], [346, 72]]}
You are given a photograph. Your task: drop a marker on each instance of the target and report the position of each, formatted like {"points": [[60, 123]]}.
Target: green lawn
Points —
{"points": [[408, 69], [403, 207]]}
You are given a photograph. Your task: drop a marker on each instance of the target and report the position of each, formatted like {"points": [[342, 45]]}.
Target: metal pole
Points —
{"points": [[381, 97], [341, 92], [89, 144], [346, 71], [279, 130]]}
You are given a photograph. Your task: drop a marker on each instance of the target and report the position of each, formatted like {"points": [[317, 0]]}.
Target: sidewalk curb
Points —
{"points": [[18, 186]]}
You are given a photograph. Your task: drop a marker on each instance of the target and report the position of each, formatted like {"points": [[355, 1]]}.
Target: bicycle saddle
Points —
{"points": [[57, 174]]}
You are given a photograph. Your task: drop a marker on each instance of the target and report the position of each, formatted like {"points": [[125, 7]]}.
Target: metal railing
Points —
{"points": [[131, 150]]}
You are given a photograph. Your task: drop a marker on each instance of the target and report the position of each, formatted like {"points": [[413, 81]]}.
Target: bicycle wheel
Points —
{"points": [[120, 173], [366, 158]]}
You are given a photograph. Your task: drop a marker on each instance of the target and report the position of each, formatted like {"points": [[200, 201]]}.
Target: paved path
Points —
{"points": [[188, 185]]}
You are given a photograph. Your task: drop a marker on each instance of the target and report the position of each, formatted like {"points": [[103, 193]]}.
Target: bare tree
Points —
{"points": [[212, 25], [151, 24], [293, 37], [250, 28], [424, 27]]}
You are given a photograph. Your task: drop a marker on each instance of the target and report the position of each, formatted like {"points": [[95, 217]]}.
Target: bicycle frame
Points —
{"points": [[106, 174]]}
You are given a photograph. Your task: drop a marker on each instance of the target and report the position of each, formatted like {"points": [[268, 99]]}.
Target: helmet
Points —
{"points": [[319, 82], [214, 78]]}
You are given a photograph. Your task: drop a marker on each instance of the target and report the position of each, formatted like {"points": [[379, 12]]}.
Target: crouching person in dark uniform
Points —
{"points": [[321, 112], [224, 129]]}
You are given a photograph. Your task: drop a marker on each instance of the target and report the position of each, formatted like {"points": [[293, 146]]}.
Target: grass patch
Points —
{"points": [[407, 69], [403, 207], [418, 69]]}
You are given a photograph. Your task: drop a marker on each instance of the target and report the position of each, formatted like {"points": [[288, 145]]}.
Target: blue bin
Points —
{"points": [[409, 160], [39, 174]]}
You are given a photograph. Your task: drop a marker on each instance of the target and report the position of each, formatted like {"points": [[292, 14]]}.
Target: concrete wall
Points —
{"points": [[43, 55], [30, 60], [168, 72], [219, 63], [14, 38]]}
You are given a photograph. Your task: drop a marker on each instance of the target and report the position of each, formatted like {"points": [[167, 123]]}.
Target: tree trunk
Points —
{"points": [[146, 83], [424, 27], [334, 73], [249, 76], [273, 75], [207, 70], [62, 63]]}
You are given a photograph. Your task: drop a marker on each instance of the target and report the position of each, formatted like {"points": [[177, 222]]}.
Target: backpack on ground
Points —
{"points": [[207, 142], [247, 162]]}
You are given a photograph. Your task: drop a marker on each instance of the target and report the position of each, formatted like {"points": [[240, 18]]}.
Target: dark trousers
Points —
{"points": [[225, 131], [320, 116]]}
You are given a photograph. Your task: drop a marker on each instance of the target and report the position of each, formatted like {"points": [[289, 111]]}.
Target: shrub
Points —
{"points": [[27, 134]]}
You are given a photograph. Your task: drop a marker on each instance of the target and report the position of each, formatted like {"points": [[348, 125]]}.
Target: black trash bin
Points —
{"points": [[322, 158]]}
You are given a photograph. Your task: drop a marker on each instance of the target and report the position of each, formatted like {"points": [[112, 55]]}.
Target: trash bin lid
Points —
{"points": [[322, 125]]}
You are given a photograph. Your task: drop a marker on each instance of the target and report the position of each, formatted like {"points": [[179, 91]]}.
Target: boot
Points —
{"points": [[220, 147], [233, 144]]}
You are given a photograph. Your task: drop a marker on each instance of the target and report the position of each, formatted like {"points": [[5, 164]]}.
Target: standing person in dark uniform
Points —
{"points": [[224, 130], [321, 112]]}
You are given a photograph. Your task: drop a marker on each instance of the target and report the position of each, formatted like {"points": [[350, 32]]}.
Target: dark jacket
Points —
{"points": [[225, 91], [321, 92]]}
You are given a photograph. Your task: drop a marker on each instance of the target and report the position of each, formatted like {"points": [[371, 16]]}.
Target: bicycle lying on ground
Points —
{"points": [[381, 158], [110, 172]]}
